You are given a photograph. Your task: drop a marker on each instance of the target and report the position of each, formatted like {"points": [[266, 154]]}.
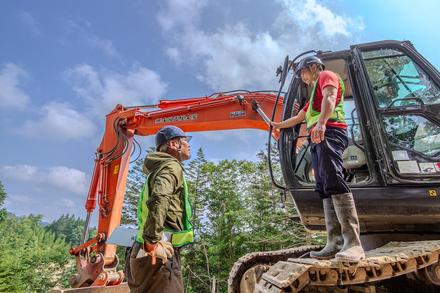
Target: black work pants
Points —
{"points": [[327, 163], [143, 277]]}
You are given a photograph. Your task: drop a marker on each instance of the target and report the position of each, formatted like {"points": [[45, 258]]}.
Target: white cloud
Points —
{"points": [[29, 21], [237, 136], [103, 45], [68, 178], [104, 89], [180, 12], [81, 30], [64, 179], [67, 204], [234, 56], [11, 94], [19, 199], [174, 54], [59, 121], [19, 172], [311, 14]]}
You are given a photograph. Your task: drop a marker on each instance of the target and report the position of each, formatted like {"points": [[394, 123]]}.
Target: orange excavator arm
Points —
{"points": [[96, 259]]}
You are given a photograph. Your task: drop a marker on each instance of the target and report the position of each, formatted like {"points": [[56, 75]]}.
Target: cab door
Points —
{"points": [[401, 91]]}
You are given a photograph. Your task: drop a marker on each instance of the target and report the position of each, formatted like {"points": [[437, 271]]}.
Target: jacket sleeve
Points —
{"points": [[164, 185]]}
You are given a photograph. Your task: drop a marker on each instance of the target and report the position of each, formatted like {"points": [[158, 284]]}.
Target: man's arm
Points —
{"points": [[158, 204], [291, 121], [329, 94]]}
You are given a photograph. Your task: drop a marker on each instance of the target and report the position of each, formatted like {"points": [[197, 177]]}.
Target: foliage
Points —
{"points": [[2, 200], [32, 259], [69, 228], [135, 181]]}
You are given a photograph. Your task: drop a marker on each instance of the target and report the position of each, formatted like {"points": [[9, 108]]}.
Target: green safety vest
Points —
{"points": [[312, 116], [178, 238]]}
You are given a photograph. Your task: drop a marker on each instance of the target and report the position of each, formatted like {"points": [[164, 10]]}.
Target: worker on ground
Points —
{"points": [[324, 116], [164, 215]]}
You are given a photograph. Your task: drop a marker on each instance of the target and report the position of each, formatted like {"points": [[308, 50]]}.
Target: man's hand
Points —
{"points": [[275, 125], [317, 133], [161, 249]]}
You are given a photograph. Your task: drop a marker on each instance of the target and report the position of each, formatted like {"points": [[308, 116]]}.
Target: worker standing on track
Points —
{"points": [[324, 116], [164, 214]]}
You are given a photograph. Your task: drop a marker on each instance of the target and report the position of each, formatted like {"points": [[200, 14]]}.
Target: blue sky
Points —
{"points": [[64, 64]]}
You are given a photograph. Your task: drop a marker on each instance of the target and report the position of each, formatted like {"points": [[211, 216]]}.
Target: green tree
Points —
{"points": [[270, 214], [2, 201], [226, 214], [69, 228], [195, 264], [32, 258]]}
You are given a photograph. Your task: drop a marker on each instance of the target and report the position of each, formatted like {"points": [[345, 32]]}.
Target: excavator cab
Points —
{"points": [[392, 163]]}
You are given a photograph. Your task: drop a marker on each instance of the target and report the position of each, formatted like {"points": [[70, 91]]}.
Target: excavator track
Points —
{"points": [[391, 260], [248, 269]]}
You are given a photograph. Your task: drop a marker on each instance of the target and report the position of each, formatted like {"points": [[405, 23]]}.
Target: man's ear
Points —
{"points": [[172, 144]]}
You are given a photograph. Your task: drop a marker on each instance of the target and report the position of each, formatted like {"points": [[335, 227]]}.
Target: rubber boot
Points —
{"points": [[334, 237], [352, 250]]}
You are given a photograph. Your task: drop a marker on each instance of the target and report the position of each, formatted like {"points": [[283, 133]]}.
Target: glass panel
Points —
{"points": [[413, 132], [352, 120], [394, 75]]}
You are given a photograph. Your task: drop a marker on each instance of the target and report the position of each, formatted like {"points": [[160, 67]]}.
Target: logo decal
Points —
{"points": [[236, 114], [176, 118]]}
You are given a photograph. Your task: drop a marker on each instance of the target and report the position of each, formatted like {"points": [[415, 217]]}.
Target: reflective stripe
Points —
{"points": [[183, 238], [312, 116]]}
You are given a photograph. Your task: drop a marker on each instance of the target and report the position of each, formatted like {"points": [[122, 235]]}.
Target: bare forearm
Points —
{"points": [[292, 121], [327, 105]]}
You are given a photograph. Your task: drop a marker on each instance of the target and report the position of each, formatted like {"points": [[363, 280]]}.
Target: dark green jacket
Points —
{"points": [[165, 206]]}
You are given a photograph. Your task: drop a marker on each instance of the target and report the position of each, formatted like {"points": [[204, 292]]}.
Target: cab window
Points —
{"points": [[402, 92], [413, 133], [397, 81]]}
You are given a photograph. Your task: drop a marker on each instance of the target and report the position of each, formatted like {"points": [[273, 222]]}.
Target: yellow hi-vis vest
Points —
{"points": [[312, 116], [178, 238]]}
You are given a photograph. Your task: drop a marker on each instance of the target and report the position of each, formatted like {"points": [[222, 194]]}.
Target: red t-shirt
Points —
{"points": [[326, 78]]}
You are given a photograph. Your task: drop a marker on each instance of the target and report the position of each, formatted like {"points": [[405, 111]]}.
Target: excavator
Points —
{"points": [[392, 165]]}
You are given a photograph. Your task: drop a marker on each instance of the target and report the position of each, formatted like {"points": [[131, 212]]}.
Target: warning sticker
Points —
{"points": [[437, 166], [408, 166], [432, 193], [427, 167], [400, 155]]}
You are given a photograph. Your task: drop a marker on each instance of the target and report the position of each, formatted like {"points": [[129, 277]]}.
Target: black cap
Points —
{"points": [[169, 132], [306, 62]]}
